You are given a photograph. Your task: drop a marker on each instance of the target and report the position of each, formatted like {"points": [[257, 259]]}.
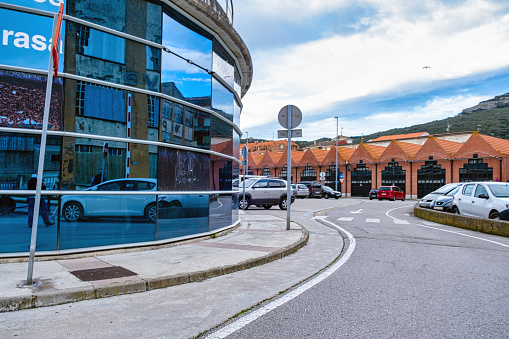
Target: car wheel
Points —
{"points": [[150, 212], [283, 204], [495, 215], [73, 211], [244, 203], [174, 203], [380, 199], [455, 210], [337, 197], [403, 199], [267, 206], [393, 198], [326, 195]]}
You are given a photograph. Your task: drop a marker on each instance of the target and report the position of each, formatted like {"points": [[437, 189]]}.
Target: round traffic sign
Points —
{"points": [[296, 115]]}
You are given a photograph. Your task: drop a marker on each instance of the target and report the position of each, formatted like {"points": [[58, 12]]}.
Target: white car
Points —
{"points": [[76, 207], [428, 199], [482, 199]]}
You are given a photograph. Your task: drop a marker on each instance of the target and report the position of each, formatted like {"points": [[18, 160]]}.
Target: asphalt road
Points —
{"points": [[397, 276]]}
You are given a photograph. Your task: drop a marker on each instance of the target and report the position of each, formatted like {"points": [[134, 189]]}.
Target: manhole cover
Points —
{"points": [[103, 273]]}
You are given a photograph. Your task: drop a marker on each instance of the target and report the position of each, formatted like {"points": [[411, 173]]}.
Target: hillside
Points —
{"points": [[490, 117]]}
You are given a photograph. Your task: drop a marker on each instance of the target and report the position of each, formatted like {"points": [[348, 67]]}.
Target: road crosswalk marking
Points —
{"points": [[373, 220], [402, 222], [345, 219], [376, 221]]}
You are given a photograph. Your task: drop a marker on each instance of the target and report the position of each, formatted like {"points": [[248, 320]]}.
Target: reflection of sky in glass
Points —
{"points": [[190, 80], [187, 43], [46, 5], [222, 99], [26, 45]]}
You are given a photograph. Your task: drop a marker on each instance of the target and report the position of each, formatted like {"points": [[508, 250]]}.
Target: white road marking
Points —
{"points": [[440, 229], [240, 323], [345, 219], [373, 220], [358, 211], [402, 222]]}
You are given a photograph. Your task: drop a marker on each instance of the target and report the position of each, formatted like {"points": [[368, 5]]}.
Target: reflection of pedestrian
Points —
{"points": [[97, 179], [43, 208]]}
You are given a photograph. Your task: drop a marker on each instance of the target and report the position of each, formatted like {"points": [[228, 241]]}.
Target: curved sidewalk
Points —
{"points": [[258, 240]]}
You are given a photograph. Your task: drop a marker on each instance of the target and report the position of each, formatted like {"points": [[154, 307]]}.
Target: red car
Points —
{"points": [[390, 192]]}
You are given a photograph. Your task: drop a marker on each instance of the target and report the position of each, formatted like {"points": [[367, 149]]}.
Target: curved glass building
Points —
{"points": [[143, 126]]}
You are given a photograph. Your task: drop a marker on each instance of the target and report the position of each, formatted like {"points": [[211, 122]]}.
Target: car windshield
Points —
{"points": [[327, 188], [249, 182], [445, 189], [454, 191], [500, 191], [384, 188]]}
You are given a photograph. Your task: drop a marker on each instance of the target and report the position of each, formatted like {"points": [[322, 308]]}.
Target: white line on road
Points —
{"points": [[358, 211], [373, 220], [440, 229], [400, 221], [238, 324], [345, 219]]}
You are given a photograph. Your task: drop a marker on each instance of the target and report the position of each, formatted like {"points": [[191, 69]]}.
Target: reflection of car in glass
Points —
{"points": [[123, 205], [390, 192], [444, 202], [265, 192], [328, 192], [372, 194], [428, 199], [301, 190], [482, 199]]}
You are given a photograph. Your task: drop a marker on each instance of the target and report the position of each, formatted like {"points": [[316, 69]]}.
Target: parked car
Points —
{"points": [[373, 194], [482, 199], [301, 190], [76, 207], [444, 202], [328, 192], [236, 182], [265, 192], [390, 192], [428, 198], [314, 187]]}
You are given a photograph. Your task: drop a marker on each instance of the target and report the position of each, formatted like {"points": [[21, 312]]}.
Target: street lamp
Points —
{"points": [[337, 137]]}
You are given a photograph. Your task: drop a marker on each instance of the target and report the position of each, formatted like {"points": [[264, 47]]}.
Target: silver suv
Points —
{"points": [[264, 192]]}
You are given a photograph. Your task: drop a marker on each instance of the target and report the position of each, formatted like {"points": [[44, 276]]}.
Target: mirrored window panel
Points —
{"points": [[26, 39], [221, 174], [220, 211], [23, 96], [97, 44], [221, 137], [237, 85], [222, 100], [201, 138], [187, 39], [223, 64], [111, 13], [185, 81], [181, 215], [180, 170]]}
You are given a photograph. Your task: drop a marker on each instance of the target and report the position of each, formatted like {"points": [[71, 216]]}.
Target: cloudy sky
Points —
{"points": [[362, 60]]}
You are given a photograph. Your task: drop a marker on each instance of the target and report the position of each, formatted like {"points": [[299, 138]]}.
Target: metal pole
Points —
{"points": [[289, 169], [337, 137], [245, 167], [247, 145], [40, 170]]}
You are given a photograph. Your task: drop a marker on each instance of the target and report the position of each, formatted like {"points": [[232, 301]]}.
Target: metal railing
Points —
{"points": [[225, 13]]}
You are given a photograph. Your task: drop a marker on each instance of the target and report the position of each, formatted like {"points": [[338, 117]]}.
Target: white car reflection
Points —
{"points": [[76, 207]]}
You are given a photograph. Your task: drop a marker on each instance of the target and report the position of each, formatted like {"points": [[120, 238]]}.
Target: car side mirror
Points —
{"points": [[483, 196]]}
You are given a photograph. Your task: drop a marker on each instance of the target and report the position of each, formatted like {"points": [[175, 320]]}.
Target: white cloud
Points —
{"points": [[455, 40]]}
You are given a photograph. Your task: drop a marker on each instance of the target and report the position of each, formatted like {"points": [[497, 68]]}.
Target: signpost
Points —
{"points": [[244, 164], [52, 71], [289, 117]]}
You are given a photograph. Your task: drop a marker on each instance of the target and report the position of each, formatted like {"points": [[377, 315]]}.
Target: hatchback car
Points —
{"points": [[301, 190], [444, 202], [315, 188], [328, 192], [265, 192], [76, 207], [390, 192], [373, 194], [482, 199], [428, 198]]}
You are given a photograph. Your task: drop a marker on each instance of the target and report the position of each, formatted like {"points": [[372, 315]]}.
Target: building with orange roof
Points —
{"points": [[416, 167]]}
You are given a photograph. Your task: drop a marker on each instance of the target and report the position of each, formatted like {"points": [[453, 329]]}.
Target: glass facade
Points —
{"points": [[142, 139]]}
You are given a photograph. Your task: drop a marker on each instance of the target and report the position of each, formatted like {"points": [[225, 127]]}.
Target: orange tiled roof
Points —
{"points": [[451, 147], [375, 151], [500, 145], [346, 152], [409, 148], [401, 136], [320, 154]]}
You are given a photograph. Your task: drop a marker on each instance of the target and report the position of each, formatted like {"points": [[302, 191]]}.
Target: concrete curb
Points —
{"points": [[58, 297]]}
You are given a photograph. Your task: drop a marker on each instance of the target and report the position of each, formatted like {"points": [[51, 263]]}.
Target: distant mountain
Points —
{"points": [[491, 117]]}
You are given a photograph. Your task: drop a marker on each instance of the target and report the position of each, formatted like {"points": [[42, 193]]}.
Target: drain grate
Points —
{"points": [[103, 273]]}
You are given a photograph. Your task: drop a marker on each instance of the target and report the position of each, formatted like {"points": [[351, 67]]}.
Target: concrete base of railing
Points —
{"points": [[497, 227]]}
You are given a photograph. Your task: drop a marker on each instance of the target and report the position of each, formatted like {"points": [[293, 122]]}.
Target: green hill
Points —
{"points": [[493, 122]]}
